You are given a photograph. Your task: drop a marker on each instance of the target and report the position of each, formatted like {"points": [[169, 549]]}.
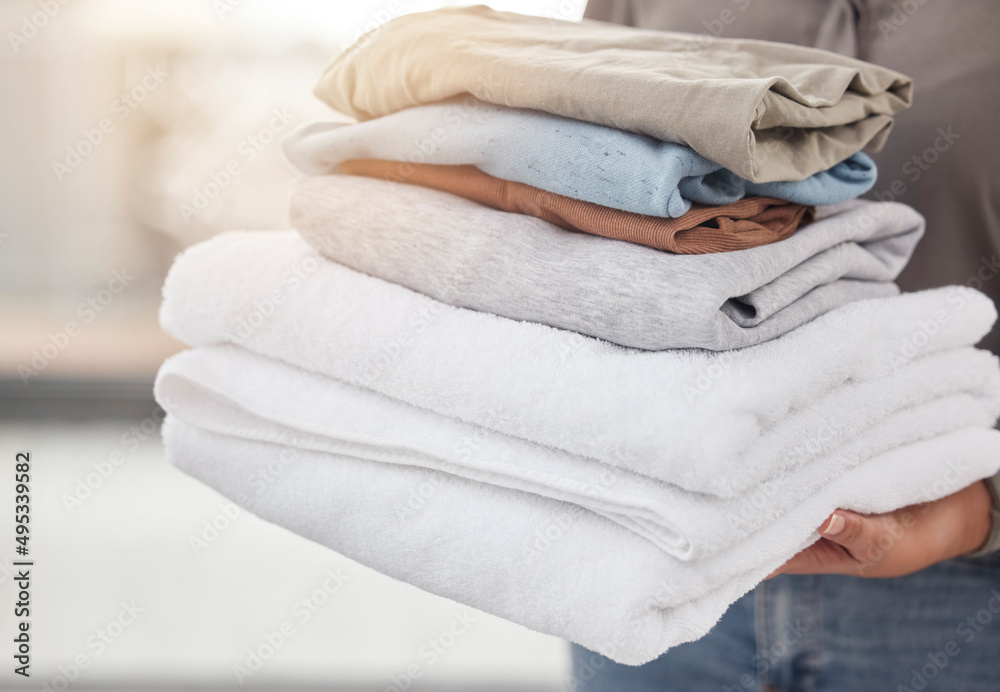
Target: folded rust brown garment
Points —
{"points": [[751, 222]]}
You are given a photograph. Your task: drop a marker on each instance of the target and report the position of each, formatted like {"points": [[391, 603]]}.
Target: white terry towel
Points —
{"points": [[537, 561], [229, 390], [709, 422]]}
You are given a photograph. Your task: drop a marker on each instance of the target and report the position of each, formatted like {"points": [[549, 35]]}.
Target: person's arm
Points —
{"points": [[908, 540]]}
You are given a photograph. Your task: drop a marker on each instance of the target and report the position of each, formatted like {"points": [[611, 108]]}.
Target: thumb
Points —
{"points": [[853, 531]]}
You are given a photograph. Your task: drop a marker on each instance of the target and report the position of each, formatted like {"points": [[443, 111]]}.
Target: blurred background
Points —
{"points": [[129, 130]]}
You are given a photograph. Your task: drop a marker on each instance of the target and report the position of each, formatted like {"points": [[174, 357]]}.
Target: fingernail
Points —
{"points": [[834, 526]]}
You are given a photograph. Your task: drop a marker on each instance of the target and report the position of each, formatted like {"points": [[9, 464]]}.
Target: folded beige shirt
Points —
{"points": [[767, 111]]}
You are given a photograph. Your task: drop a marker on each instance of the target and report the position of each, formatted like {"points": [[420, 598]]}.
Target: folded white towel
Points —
{"points": [[537, 561], [229, 390], [709, 422]]}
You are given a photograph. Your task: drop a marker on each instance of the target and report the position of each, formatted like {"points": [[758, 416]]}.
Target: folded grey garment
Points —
{"points": [[524, 268], [766, 111]]}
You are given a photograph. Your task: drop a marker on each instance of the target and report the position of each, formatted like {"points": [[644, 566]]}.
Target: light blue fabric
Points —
{"points": [[599, 164]]}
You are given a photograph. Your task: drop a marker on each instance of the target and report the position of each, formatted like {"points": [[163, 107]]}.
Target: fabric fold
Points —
{"points": [[229, 390], [524, 268], [750, 222], [594, 163], [491, 547], [765, 111], [715, 423]]}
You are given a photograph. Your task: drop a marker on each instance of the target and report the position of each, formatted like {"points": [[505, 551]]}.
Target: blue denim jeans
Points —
{"points": [[938, 629]]}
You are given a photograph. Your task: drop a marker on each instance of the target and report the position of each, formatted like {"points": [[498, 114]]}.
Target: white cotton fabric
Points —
{"points": [[539, 562], [229, 390], [707, 422]]}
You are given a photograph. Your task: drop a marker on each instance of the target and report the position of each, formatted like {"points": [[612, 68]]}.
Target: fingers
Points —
{"points": [[854, 532], [843, 536], [868, 541], [822, 557], [897, 543]]}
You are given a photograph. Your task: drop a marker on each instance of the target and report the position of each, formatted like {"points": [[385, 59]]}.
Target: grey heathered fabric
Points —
{"points": [[521, 267]]}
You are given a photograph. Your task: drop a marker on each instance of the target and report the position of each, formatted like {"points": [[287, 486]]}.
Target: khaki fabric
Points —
{"points": [[943, 158], [750, 222], [765, 111]]}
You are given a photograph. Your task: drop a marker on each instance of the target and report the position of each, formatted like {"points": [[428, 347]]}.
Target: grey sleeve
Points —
{"points": [[992, 543]]}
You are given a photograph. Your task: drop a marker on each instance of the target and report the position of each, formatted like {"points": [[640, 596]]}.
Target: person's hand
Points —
{"points": [[900, 542]]}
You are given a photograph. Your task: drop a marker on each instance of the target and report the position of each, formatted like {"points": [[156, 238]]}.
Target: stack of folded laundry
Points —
{"points": [[581, 325]]}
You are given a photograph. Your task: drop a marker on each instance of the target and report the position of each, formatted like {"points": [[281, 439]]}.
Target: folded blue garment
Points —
{"points": [[594, 163]]}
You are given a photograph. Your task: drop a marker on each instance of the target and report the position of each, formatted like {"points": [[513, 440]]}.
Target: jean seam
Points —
{"points": [[812, 635], [760, 604]]}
